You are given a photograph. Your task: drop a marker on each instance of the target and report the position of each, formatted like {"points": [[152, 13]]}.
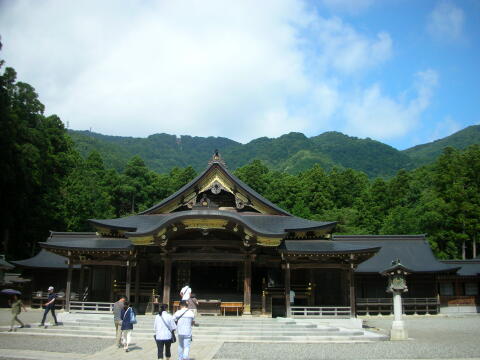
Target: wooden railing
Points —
{"points": [[91, 306], [215, 307], [384, 306], [321, 311], [231, 307], [145, 288]]}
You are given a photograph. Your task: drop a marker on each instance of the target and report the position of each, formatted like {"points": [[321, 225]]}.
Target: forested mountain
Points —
{"points": [[426, 153], [46, 184], [161, 152], [292, 153]]}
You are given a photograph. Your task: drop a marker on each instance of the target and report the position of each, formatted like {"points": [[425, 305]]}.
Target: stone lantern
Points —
{"points": [[397, 285]]}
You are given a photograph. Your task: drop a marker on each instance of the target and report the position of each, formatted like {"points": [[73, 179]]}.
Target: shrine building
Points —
{"points": [[241, 253]]}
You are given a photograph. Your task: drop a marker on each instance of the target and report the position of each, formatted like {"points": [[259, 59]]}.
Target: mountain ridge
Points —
{"points": [[292, 152]]}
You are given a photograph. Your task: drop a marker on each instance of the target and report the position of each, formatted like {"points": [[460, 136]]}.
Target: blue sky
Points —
{"points": [[399, 71]]}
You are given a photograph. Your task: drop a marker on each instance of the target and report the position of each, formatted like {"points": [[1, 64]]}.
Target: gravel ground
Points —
{"points": [[62, 344], [431, 338]]}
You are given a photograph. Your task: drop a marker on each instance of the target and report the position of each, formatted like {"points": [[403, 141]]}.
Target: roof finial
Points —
{"points": [[216, 158]]}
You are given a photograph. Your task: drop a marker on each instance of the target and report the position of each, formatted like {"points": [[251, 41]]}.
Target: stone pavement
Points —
{"points": [[434, 337], [144, 349]]}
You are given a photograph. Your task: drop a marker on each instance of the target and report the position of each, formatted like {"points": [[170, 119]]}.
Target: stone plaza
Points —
{"points": [[430, 337]]}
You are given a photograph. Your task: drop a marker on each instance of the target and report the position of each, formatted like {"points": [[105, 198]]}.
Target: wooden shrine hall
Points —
{"points": [[237, 251]]}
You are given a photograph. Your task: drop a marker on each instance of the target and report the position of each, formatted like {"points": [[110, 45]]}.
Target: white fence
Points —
{"points": [[321, 311], [90, 306]]}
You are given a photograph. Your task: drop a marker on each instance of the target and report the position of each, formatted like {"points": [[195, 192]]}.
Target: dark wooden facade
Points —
{"points": [[234, 246]]}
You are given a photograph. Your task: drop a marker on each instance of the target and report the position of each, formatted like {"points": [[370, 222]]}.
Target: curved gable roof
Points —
{"points": [[192, 185], [268, 225], [413, 251]]}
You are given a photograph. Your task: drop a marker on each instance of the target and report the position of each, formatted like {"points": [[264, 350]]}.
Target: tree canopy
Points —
{"points": [[47, 184]]}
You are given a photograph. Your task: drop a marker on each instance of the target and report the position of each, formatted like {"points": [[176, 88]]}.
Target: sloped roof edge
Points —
{"points": [[236, 180]]}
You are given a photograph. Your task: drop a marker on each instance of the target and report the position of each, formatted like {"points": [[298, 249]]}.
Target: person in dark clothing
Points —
{"points": [[50, 306], [117, 312], [127, 325]]}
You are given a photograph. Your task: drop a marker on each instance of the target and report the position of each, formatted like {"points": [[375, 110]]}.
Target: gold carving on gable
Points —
{"points": [[142, 240], [268, 241], [205, 223]]}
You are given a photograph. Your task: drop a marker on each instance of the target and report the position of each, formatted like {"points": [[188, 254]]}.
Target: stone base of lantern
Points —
{"points": [[398, 331]]}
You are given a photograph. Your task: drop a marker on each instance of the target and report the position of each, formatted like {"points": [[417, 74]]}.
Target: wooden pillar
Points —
{"points": [[112, 283], [311, 279], [68, 291], [137, 283], [167, 279], [353, 307], [80, 282], [247, 286], [128, 280], [288, 310]]}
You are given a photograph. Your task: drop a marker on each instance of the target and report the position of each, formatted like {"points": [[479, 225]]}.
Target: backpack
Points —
{"points": [[133, 318]]}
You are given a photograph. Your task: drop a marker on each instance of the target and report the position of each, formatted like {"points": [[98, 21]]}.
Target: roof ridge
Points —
{"points": [[235, 179]]}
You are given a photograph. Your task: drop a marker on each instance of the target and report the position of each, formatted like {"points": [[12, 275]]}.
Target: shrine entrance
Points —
{"points": [[223, 281]]}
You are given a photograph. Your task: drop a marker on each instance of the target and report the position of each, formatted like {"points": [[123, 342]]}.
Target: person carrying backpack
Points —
{"points": [[128, 319]]}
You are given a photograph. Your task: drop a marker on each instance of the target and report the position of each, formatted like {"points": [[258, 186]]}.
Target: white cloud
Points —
{"points": [[349, 6], [236, 69], [446, 22], [346, 50], [444, 128], [379, 116]]}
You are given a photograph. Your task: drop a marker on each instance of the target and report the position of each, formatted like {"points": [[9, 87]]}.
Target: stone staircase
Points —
{"points": [[210, 328]]}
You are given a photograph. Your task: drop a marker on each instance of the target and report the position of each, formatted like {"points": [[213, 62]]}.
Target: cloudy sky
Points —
{"points": [[400, 71]]}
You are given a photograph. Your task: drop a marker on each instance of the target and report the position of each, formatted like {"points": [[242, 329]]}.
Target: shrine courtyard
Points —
{"points": [[430, 337]]}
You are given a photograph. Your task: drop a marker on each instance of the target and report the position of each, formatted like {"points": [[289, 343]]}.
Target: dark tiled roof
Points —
{"points": [[413, 251], [5, 265], [44, 259], [90, 244], [236, 180], [467, 267], [270, 225], [68, 240], [322, 246]]}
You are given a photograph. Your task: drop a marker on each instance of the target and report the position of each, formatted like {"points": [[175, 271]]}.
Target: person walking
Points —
{"points": [[185, 292], [127, 325], [117, 313], [164, 327], [184, 318], [17, 306], [192, 303], [50, 306]]}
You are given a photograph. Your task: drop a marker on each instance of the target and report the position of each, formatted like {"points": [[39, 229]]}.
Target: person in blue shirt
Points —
{"points": [[50, 306], [127, 325]]}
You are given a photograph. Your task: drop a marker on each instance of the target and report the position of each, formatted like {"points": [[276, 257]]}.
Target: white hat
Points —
{"points": [[50, 288]]}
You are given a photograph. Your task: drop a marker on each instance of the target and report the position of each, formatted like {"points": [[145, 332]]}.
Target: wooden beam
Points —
{"points": [[100, 262], [318, 266], [247, 286], [137, 284], [234, 243], [128, 281], [208, 257], [81, 282], [68, 291], [353, 306], [288, 310], [167, 278]]}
